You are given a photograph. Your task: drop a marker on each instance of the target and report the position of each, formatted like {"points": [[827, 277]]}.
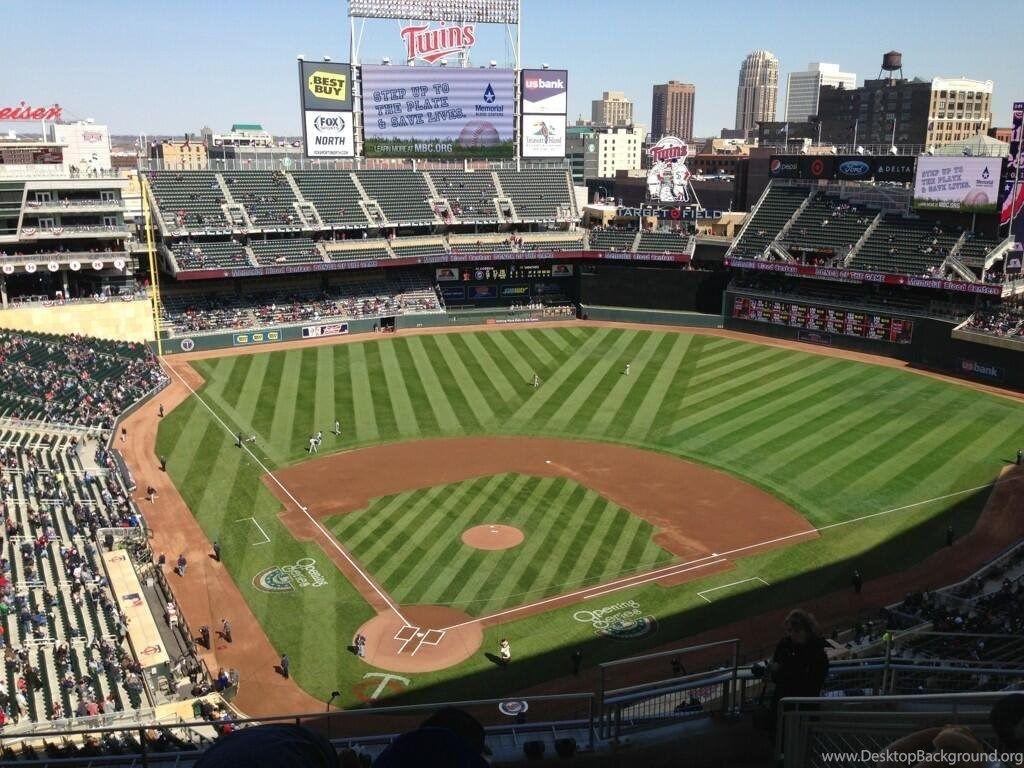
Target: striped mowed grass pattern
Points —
{"points": [[412, 544], [835, 438]]}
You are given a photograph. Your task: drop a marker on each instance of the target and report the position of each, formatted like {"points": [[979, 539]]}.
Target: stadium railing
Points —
{"points": [[813, 731]]}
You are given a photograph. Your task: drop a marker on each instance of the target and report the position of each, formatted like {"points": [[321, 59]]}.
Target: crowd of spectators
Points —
{"points": [[73, 379], [211, 312], [1007, 322]]}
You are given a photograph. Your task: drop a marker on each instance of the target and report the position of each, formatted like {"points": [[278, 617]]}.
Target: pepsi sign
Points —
{"points": [[782, 167]]}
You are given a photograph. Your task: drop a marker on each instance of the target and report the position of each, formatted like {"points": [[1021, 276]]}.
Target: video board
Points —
{"points": [[842, 322], [438, 112], [965, 184]]}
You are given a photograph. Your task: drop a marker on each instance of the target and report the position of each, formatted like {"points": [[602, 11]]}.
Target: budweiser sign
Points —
{"points": [[431, 45], [27, 112]]}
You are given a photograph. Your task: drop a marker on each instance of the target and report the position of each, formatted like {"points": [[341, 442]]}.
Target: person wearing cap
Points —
{"points": [[449, 737]]}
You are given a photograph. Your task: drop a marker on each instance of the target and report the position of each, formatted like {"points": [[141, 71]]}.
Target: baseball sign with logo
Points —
{"points": [[329, 134], [622, 621], [669, 178], [286, 578]]}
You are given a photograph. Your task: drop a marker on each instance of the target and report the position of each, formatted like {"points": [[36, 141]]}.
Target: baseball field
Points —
{"points": [[600, 510]]}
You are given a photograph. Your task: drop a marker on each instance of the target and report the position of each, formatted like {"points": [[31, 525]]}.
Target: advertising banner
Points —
{"points": [[543, 135], [482, 292], [453, 292], [325, 85], [515, 290], [783, 167], [1013, 178], [255, 337], [966, 184], [895, 169], [863, 276], [330, 329], [854, 168], [822, 167], [329, 134], [31, 156], [438, 112], [545, 91], [446, 273], [325, 92]]}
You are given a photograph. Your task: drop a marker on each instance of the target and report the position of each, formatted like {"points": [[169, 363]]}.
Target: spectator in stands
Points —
{"points": [[799, 664], [270, 746]]}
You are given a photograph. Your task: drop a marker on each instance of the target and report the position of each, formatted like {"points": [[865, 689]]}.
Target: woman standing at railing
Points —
{"points": [[799, 664]]}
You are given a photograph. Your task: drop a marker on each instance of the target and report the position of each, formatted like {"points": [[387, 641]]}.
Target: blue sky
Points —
{"points": [[170, 67]]}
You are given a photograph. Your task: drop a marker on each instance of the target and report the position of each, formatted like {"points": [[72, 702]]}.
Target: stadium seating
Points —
{"points": [[403, 195], [829, 223], [907, 246], [470, 193], [334, 195], [552, 241], [357, 249], [777, 207], [1005, 322], [210, 254], [197, 312], [64, 633], [72, 379], [612, 239], [290, 250], [418, 247], [537, 193], [266, 196], [189, 199], [662, 242], [975, 248]]}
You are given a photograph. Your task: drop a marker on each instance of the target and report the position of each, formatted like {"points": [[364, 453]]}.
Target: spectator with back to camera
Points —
{"points": [[799, 664]]}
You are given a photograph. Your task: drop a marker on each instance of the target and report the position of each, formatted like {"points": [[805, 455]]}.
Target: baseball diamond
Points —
{"points": [[445, 431], [422, 425]]}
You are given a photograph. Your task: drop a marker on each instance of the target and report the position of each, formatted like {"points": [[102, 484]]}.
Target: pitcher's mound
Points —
{"points": [[492, 537], [423, 644]]}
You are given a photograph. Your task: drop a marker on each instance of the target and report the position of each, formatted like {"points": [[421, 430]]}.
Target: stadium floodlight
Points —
{"points": [[860, 150], [465, 11], [545, 65], [492, 64], [893, 150], [386, 60]]}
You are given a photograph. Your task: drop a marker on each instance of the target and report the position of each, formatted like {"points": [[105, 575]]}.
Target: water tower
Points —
{"points": [[891, 62]]}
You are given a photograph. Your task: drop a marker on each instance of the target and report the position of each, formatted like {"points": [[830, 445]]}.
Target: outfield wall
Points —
{"points": [[931, 344], [650, 316], [656, 287]]}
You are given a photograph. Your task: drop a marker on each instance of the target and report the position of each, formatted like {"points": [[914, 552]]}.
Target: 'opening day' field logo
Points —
{"points": [[285, 578], [622, 621]]}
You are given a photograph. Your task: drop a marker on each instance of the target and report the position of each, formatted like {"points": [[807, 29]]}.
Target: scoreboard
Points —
{"points": [[842, 322]]}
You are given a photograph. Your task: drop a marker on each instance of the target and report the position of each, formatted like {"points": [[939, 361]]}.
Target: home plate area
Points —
{"points": [[417, 637], [425, 638]]}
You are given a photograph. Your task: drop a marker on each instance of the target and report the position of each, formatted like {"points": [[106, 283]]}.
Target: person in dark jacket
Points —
{"points": [[799, 664]]}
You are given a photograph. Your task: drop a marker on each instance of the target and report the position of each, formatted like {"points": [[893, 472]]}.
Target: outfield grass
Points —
{"points": [[574, 538], [836, 439]]}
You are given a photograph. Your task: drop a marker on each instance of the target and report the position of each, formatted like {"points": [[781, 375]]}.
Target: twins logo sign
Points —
{"points": [[622, 621]]}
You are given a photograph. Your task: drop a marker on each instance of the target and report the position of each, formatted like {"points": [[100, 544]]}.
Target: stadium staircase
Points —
{"points": [[863, 239], [775, 208]]}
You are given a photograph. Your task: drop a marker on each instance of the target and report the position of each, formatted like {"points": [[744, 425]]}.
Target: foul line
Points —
{"points": [[341, 550], [661, 573], [700, 594], [257, 524], [654, 575]]}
